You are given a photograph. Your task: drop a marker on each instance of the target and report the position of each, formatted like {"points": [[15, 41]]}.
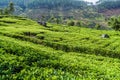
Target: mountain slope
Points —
{"points": [[113, 12], [31, 51]]}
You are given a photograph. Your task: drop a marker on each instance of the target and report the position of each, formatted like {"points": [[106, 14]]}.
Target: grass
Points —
{"points": [[30, 51]]}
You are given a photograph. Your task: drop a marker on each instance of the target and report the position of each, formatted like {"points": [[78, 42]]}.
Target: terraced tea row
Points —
{"points": [[78, 65], [31, 51], [69, 39], [105, 50]]}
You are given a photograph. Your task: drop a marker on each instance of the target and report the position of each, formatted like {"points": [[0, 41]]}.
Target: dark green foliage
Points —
{"points": [[21, 3], [71, 23], [29, 33], [6, 11], [51, 19], [114, 22], [57, 20], [78, 24], [91, 24], [11, 8], [97, 26], [1, 11], [108, 4], [9, 22], [51, 4]]}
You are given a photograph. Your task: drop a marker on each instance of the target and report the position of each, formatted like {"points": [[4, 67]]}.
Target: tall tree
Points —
{"points": [[6, 11], [11, 8], [1, 11]]}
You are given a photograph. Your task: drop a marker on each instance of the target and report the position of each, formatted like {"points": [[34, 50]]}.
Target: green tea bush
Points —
{"points": [[65, 53]]}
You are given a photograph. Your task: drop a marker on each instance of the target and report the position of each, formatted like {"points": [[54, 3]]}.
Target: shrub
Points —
{"points": [[114, 23], [71, 23], [97, 26], [78, 24]]}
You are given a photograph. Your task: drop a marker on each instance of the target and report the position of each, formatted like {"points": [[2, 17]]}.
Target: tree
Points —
{"points": [[42, 18], [52, 19], [108, 4], [71, 23], [78, 24], [6, 11], [56, 4], [11, 8], [97, 26], [114, 23], [57, 20], [1, 11]]}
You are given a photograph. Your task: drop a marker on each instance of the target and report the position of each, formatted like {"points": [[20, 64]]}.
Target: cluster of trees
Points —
{"points": [[50, 4], [53, 19], [75, 23], [66, 4], [8, 10], [114, 22], [108, 4], [21, 3]]}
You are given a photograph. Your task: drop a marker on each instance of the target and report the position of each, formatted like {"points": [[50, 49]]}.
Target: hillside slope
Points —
{"points": [[30, 51], [112, 12]]}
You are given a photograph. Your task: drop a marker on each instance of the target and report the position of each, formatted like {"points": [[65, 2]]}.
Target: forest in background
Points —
{"points": [[64, 11], [56, 4]]}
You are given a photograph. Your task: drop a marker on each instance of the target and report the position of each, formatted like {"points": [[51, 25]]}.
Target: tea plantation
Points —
{"points": [[29, 51]]}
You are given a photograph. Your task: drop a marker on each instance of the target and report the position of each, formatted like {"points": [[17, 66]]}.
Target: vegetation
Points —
{"points": [[78, 24], [8, 10], [57, 52], [71, 23], [114, 22], [58, 45], [67, 4], [108, 4], [97, 26], [46, 3], [81, 9], [11, 8], [66, 9]]}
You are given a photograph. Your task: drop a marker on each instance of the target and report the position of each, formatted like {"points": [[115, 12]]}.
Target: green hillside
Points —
{"points": [[29, 51]]}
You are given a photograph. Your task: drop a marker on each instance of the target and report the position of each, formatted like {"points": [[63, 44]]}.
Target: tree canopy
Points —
{"points": [[108, 4], [50, 4]]}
